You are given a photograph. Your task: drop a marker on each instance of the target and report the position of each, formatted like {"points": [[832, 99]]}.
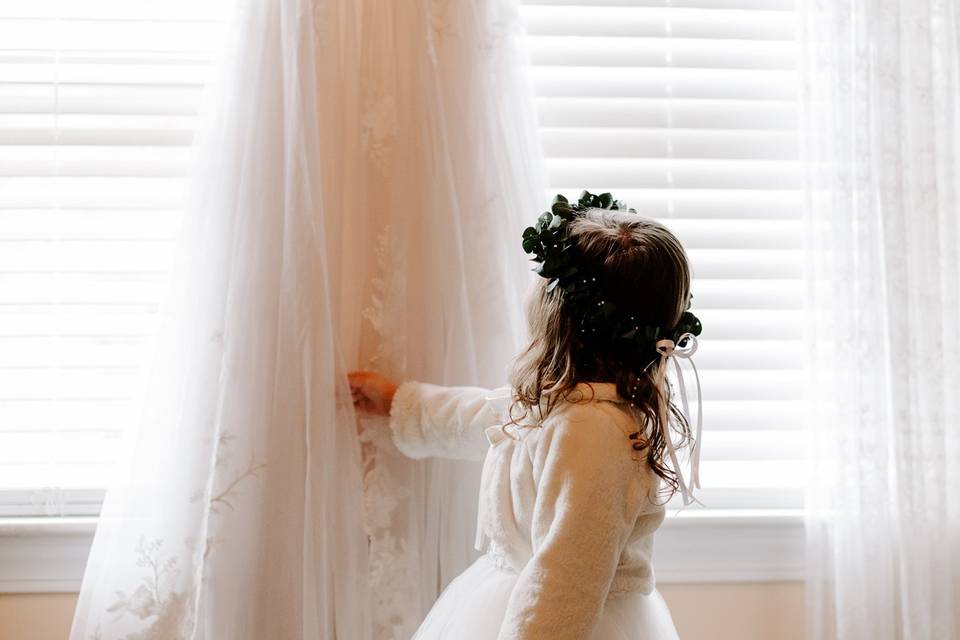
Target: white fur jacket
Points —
{"points": [[567, 504]]}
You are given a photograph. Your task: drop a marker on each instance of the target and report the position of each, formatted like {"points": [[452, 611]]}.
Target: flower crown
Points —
{"points": [[558, 261]]}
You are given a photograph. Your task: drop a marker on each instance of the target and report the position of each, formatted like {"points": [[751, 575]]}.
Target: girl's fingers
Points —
{"points": [[355, 380], [367, 388]]}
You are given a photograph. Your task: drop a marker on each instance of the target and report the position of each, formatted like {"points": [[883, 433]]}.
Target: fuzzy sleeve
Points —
{"points": [[448, 422], [589, 494]]}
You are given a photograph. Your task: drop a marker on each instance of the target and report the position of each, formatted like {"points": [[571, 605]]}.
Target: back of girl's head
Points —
{"points": [[638, 264]]}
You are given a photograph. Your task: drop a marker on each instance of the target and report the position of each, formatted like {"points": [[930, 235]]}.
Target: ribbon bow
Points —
{"points": [[684, 347]]}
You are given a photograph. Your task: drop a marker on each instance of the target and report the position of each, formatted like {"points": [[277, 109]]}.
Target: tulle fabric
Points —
{"points": [[363, 170], [473, 606], [235, 516]]}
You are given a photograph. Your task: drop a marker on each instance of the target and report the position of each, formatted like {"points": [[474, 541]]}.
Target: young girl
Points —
{"points": [[580, 449]]}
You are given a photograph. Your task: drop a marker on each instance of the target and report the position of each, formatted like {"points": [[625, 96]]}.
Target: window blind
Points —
{"points": [[98, 101], [687, 110]]}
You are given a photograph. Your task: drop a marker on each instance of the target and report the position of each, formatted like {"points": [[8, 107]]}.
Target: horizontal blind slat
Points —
{"points": [[25, 449], [639, 21], [99, 99], [54, 352], [56, 161], [146, 10], [89, 224], [626, 82], [671, 53], [770, 5], [114, 36], [674, 173], [115, 289], [678, 113], [678, 143], [83, 414], [766, 498], [91, 192], [65, 384]]}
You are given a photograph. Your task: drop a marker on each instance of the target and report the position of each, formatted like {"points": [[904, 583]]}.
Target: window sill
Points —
{"points": [[731, 546], [48, 555], [44, 555]]}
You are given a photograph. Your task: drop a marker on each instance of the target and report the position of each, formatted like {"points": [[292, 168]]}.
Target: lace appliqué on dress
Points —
{"points": [[157, 606], [390, 557], [380, 130]]}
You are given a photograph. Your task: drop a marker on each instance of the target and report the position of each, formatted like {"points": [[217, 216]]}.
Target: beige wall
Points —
{"points": [[748, 611], [738, 611], [40, 616]]}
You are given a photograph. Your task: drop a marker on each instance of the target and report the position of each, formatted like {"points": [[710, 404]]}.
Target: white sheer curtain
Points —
{"points": [[362, 179], [882, 98]]}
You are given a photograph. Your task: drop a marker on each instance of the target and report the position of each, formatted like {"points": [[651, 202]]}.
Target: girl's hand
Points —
{"points": [[372, 392]]}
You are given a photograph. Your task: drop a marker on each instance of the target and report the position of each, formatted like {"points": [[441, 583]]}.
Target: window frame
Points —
{"points": [[48, 555]]}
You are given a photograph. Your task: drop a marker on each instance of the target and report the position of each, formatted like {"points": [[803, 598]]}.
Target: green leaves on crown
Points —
{"points": [[589, 201], [549, 246], [548, 240]]}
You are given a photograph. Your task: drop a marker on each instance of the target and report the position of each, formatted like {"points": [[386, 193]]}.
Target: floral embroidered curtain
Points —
{"points": [[360, 185]]}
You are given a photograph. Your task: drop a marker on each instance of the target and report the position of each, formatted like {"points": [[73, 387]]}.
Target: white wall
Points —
{"points": [[713, 611]]}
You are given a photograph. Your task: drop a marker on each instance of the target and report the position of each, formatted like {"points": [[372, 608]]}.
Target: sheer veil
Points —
{"points": [[360, 185]]}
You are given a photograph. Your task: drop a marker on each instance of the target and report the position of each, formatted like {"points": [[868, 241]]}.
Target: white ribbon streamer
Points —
{"points": [[669, 349]]}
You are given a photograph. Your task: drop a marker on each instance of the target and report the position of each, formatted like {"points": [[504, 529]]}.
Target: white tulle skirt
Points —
{"points": [[473, 606]]}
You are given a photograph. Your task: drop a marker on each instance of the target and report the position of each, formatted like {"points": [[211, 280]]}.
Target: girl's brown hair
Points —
{"points": [[643, 267]]}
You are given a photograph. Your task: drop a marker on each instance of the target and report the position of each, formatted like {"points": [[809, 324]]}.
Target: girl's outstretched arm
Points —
{"points": [[430, 420]]}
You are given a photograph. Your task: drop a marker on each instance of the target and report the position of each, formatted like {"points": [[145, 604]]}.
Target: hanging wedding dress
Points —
{"points": [[452, 170], [361, 183]]}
